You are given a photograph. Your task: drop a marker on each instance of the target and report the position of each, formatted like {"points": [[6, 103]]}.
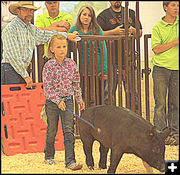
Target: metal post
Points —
{"points": [[126, 57]]}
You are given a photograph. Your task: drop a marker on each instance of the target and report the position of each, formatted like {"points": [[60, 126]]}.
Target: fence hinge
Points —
{"points": [[144, 71]]}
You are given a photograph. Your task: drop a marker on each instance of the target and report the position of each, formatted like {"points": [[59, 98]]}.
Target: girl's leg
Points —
{"points": [[67, 120], [52, 112]]}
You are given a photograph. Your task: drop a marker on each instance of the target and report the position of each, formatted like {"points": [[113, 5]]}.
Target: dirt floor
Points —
{"points": [[33, 163]]}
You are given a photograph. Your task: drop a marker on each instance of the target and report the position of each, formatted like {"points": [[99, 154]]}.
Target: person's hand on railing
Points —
{"points": [[132, 30], [119, 31], [105, 76], [71, 36], [76, 32], [28, 81]]}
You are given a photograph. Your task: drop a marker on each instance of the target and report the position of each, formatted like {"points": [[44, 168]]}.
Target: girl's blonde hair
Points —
{"points": [[94, 26], [54, 38]]}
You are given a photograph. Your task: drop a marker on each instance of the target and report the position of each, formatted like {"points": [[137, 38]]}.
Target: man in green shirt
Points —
{"points": [[165, 45], [54, 19]]}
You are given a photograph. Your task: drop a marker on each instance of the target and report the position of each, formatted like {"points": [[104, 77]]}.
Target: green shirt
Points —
{"points": [[163, 33], [45, 20], [99, 51]]}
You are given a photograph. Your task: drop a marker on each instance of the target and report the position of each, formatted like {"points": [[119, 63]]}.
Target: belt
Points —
{"points": [[10, 64], [65, 98]]}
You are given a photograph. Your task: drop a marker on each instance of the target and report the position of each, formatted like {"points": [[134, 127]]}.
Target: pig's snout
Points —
{"points": [[162, 168]]}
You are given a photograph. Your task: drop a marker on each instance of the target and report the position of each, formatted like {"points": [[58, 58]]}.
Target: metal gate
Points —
{"points": [[93, 85]]}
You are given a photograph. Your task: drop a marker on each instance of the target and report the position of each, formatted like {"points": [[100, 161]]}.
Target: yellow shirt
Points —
{"points": [[163, 33], [45, 20]]}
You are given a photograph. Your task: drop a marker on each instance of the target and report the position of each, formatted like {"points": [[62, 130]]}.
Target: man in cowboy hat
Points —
{"points": [[20, 38]]}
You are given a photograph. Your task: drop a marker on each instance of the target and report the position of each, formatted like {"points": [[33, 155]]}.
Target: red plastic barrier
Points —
{"points": [[23, 130]]}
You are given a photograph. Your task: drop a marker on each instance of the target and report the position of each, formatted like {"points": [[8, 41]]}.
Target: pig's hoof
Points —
{"points": [[91, 167], [102, 167]]}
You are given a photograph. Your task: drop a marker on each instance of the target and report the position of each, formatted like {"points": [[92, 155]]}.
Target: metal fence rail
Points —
{"points": [[93, 85]]}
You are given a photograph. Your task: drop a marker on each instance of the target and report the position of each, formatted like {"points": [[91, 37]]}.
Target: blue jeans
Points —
{"points": [[67, 121], [166, 81], [9, 75]]}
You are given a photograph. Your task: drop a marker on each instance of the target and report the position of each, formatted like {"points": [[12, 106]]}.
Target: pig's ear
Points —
{"points": [[164, 134]]}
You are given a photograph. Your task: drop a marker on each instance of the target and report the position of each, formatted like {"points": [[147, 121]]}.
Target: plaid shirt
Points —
{"points": [[61, 80], [19, 41]]}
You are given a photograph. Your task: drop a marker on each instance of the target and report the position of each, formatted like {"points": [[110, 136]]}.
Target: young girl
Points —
{"points": [[61, 80], [86, 24]]}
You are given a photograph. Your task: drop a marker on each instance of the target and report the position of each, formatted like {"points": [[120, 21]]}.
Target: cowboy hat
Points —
{"points": [[26, 4]]}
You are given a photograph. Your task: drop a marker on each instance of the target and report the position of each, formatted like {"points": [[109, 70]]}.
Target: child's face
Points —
{"points": [[59, 47], [85, 17]]}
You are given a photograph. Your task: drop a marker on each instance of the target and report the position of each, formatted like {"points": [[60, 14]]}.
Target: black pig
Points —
{"points": [[123, 131]]}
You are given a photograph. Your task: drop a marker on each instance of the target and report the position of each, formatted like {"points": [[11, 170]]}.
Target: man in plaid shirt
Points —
{"points": [[19, 40]]}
